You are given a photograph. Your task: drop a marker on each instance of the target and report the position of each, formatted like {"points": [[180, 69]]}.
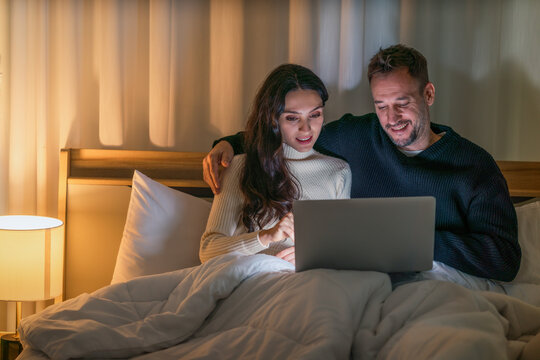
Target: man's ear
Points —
{"points": [[429, 93]]}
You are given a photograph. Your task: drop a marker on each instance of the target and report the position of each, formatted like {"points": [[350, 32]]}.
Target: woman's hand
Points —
{"points": [[282, 230], [287, 254]]}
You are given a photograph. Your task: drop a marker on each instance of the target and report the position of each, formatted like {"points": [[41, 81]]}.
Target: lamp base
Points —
{"points": [[11, 346]]}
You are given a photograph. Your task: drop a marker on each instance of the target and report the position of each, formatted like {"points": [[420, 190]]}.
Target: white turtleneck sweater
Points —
{"points": [[320, 177]]}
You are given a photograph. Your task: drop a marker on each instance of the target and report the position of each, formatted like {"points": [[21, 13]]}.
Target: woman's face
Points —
{"points": [[301, 121]]}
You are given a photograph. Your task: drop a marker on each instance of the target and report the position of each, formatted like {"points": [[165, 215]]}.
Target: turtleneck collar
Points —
{"points": [[290, 153]]}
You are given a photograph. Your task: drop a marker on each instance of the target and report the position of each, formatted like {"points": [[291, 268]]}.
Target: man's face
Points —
{"points": [[403, 109]]}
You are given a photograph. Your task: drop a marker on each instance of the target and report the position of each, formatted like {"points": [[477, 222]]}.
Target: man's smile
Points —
{"points": [[398, 127]]}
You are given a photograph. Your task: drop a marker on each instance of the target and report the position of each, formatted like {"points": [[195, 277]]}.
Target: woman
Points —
{"points": [[252, 213]]}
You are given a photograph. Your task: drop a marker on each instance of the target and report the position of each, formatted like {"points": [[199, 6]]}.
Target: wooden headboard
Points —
{"points": [[93, 197], [94, 194], [523, 177]]}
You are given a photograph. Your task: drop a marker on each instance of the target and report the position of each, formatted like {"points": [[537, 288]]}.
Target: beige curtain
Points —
{"points": [[175, 75], [167, 74]]}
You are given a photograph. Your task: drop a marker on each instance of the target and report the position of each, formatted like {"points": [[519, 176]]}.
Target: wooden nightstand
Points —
{"points": [[11, 347]]}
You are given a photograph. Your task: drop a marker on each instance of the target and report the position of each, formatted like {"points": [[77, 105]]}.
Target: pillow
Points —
{"points": [[528, 216], [162, 231]]}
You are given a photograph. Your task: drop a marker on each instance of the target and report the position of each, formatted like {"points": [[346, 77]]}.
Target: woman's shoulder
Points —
{"points": [[334, 162], [232, 173], [238, 161]]}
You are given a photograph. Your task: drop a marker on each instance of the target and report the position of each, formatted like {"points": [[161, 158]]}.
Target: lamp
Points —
{"points": [[31, 261]]}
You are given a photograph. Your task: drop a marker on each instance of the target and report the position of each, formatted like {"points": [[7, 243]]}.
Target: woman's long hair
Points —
{"points": [[268, 186]]}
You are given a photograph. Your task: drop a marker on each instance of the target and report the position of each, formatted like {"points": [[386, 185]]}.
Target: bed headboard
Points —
{"points": [[522, 177], [94, 195]]}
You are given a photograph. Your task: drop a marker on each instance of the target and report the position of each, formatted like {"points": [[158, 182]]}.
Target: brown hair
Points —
{"points": [[268, 186], [398, 56]]}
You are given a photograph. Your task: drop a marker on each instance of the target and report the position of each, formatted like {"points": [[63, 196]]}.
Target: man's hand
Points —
{"points": [[215, 162], [287, 254], [282, 230]]}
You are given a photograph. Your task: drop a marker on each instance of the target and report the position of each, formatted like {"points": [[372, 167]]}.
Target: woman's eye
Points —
{"points": [[291, 118], [315, 115]]}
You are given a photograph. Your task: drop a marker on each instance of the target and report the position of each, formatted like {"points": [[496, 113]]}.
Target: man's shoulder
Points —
{"points": [[471, 151], [343, 137], [466, 144], [358, 120], [350, 124]]}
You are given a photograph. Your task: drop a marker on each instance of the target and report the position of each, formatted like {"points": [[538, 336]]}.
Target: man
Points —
{"points": [[399, 152]]}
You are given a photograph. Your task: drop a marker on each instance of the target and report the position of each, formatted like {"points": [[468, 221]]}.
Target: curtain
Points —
{"points": [[175, 75]]}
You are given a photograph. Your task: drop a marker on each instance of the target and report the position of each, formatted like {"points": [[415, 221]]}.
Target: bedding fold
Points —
{"points": [[141, 315], [246, 307], [434, 319], [242, 305]]}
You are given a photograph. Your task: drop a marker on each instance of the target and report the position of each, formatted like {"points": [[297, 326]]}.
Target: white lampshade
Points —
{"points": [[31, 257]]}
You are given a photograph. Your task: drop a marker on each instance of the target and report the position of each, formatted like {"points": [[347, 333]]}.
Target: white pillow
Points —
{"points": [[162, 231], [528, 215]]}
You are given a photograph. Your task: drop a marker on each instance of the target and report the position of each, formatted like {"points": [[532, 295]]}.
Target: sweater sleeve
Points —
{"points": [[236, 141], [489, 248], [344, 187], [222, 234]]}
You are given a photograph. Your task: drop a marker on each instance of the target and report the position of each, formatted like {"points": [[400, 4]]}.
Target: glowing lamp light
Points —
{"points": [[31, 258]]}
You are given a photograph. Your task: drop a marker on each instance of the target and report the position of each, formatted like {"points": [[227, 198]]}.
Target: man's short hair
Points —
{"points": [[398, 56]]}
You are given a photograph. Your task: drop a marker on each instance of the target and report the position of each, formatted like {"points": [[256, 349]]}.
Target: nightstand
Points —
{"points": [[11, 347]]}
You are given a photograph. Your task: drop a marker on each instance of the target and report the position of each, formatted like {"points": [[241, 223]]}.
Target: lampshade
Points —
{"points": [[31, 257]]}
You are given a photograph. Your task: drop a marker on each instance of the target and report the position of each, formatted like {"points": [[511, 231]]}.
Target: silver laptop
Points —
{"points": [[376, 234]]}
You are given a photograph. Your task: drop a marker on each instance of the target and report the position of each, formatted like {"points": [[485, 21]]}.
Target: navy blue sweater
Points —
{"points": [[476, 225]]}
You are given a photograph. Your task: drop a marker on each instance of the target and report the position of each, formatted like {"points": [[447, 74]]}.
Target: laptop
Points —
{"points": [[371, 234]]}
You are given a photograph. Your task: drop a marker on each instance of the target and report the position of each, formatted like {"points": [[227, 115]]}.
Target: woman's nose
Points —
{"points": [[304, 125]]}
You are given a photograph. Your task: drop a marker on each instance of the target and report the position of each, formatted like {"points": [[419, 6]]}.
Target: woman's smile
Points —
{"points": [[305, 140]]}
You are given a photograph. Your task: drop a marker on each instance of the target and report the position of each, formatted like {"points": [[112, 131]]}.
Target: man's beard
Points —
{"points": [[408, 141]]}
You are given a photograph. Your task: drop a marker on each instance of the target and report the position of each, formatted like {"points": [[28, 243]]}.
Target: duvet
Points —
{"points": [[257, 307]]}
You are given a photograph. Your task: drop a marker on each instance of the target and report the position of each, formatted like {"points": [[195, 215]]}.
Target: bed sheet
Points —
{"points": [[527, 292], [236, 307]]}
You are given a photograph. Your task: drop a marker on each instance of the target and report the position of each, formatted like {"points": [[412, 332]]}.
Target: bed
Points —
{"points": [[133, 286]]}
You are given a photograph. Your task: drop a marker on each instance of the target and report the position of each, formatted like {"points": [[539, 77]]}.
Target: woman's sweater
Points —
{"points": [[319, 176]]}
